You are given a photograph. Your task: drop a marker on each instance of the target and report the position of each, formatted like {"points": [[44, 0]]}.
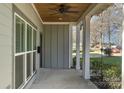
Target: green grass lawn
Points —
{"points": [[115, 60]]}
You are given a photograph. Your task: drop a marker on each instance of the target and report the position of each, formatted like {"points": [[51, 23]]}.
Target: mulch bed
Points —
{"points": [[99, 82]]}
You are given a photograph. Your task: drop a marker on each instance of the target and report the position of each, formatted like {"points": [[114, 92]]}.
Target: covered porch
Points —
{"points": [[57, 60], [39, 52]]}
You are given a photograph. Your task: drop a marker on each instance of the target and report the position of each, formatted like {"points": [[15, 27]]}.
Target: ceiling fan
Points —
{"points": [[62, 9]]}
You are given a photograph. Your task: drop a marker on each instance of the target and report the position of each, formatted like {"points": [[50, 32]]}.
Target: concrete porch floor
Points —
{"points": [[61, 79]]}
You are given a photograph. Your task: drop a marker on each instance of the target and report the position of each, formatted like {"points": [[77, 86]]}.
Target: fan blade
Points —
{"points": [[53, 14], [67, 15], [72, 11], [53, 10], [65, 6]]}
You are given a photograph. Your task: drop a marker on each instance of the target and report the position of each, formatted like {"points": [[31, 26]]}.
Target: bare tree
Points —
{"points": [[106, 27]]}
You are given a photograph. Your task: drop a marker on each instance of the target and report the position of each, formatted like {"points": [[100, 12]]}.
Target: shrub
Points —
{"points": [[81, 51], [74, 62], [112, 76], [95, 67], [74, 51]]}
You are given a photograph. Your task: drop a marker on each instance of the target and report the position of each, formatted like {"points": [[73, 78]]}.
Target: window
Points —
{"points": [[25, 51], [20, 35], [29, 38], [34, 61], [34, 39], [28, 65], [19, 69]]}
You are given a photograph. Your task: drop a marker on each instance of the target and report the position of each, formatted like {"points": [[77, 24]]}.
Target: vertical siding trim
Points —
{"points": [[63, 46], [68, 46], [57, 45], [44, 47], [50, 46]]}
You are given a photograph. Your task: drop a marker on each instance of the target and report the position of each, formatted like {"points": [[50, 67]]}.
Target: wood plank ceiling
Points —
{"points": [[50, 12]]}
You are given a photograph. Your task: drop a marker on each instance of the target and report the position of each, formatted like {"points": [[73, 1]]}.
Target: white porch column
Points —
{"points": [[77, 47], [86, 47], [70, 45], [123, 51]]}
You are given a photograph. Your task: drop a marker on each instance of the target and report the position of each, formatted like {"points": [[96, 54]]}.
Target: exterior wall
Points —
{"points": [[56, 46], [29, 12], [5, 45], [6, 39], [30, 15]]}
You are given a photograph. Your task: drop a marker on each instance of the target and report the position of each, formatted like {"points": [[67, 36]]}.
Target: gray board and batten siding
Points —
{"points": [[56, 46]]}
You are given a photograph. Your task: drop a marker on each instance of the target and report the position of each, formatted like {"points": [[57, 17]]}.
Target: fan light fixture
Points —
{"points": [[60, 18]]}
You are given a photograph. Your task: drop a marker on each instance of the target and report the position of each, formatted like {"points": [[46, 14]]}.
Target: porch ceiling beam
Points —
{"points": [[98, 9], [94, 9], [59, 22], [86, 12]]}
